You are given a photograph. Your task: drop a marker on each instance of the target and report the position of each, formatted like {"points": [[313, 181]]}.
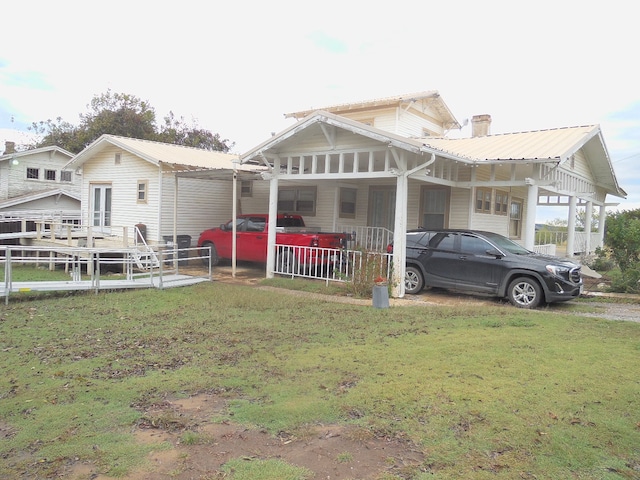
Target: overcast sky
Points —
{"points": [[236, 67]]}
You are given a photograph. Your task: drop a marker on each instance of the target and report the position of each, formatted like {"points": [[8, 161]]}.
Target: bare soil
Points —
{"points": [[329, 451]]}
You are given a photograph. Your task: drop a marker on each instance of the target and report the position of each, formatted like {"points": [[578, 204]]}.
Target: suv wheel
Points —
{"points": [[413, 281], [525, 293]]}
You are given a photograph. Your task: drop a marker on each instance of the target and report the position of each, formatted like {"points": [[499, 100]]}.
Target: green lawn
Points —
{"points": [[495, 392]]}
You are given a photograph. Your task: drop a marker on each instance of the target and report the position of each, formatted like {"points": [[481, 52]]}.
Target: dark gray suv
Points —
{"points": [[487, 263]]}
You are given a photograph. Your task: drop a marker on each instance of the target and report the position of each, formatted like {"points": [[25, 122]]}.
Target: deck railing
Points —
{"points": [[88, 267]]}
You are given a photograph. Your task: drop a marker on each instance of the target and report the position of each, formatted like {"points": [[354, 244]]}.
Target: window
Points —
{"points": [[50, 175], [33, 173], [473, 245], [483, 200], [515, 218], [444, 241], [256, 224], [300, 200], [246, 188], [65, 176], [117, 159], [434, 207], [143, 186], [501, 203], [348, 202]]}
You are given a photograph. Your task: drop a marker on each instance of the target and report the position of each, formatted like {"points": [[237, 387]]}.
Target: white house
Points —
{"points": [[167, 190], [37, 182], [387, 164]]}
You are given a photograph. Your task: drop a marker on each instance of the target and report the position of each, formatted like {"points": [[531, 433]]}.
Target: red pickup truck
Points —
{"points": [[292, 236]]}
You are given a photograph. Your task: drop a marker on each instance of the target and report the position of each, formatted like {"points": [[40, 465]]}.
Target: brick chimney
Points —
{"points": [[9, 147], [480, 125]]}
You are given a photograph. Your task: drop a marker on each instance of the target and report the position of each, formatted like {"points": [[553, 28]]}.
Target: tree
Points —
{"points": [[128, 116], [176, 131], [622, 238]]}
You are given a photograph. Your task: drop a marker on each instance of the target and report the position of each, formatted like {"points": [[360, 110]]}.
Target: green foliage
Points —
{"points": [[622, 238], [602, 261], [366, 269], [622, 246], [128, 116]]}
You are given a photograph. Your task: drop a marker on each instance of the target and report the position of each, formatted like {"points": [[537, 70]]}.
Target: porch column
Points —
{"points": [[530, 218], [400, 237], [571, 226], [588, 216], [273, 218], [601, 225]]}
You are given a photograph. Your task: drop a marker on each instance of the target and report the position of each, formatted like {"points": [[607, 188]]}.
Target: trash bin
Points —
{"points": [[380, 296], [184, 241]]}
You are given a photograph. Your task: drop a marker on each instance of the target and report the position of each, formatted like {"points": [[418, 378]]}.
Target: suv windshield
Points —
{"points": [[504, 243]]}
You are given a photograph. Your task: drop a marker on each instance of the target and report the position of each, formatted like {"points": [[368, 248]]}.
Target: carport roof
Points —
{"points": [[177, 157]]}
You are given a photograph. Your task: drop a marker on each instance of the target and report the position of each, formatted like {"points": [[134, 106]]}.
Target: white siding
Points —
{"points": [[123, 178], [202, 204], [459, 208], [14, 182], [581, 166], [409, 123]]}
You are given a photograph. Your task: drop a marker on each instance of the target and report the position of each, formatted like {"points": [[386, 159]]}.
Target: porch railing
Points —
{"points": [[559, 239], [373, 239], [329, 264]]}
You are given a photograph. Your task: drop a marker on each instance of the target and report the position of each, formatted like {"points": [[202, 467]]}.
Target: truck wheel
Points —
{"points": [[525, 292], [413, 281], [204, 252]]}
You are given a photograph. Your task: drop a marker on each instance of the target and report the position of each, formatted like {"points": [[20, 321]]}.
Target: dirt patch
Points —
{"points": [[330, 451]]}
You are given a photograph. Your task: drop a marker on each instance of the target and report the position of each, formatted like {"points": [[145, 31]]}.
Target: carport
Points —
{"points": [[239, 172]]}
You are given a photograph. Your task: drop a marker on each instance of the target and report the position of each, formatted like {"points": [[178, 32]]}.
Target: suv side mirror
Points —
{"points": [[494, 253]]}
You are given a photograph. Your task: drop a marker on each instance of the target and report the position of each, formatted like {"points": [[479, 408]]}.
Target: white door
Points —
{"points": [[101, 208]]}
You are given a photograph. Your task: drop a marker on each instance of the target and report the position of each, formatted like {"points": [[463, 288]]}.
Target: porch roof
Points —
{"points": [[558, 144], [32, 196]]}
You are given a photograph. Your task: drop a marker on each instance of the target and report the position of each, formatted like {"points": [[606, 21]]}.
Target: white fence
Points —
{"points": [[373, 239], [558, 238], [329, 264]]}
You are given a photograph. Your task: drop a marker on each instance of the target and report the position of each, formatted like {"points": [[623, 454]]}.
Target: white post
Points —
{"points": [[587, 227], [273, 218], [400, 237], [175, 223], [530, 218], [234, 209], [601, 225], [571, 226]]}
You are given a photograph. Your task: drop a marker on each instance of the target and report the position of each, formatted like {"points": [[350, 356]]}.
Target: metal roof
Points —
{"points": [[24, 153], [552, 144], [178, 156], [433, 95]]}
